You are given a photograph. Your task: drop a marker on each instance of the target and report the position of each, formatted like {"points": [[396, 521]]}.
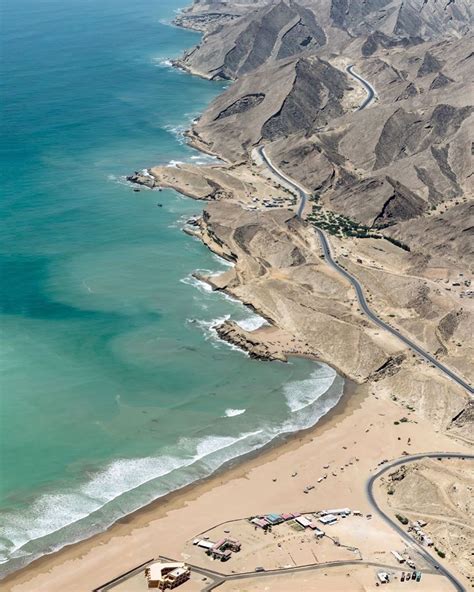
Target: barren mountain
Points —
{"points": [[391, 183], [241, 36], [293, 96]]}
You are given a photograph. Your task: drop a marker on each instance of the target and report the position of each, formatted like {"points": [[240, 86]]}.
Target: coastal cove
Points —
{"points": [[116, 389]]}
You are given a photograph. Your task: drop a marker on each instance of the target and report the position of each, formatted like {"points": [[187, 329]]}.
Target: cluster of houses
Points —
{"points": [[163, 576], [416, 528], [325, 517], [222, 550], [276, 202]]}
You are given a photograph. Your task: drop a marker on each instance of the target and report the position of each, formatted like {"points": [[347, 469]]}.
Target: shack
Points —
{"points": [[328, 519]]}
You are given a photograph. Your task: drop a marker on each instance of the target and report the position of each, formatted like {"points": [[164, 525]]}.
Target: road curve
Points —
{"points": [[356, 285], [369, 491], [281, 175], [378, 321], [370, 90]]}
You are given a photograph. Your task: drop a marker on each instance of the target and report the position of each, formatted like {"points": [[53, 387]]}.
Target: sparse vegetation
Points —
{"points": [[342, 226], [397, 243]]}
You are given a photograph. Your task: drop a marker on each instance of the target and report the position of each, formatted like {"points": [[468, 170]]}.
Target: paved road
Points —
{"points": [[358, 288], [281, 175], [378, 321], [303, 568], [371, 94], [426, 556], [303, 194]]}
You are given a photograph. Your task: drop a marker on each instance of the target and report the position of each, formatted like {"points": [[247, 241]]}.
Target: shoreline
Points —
{"points": [[352, 397], [241, 463]]}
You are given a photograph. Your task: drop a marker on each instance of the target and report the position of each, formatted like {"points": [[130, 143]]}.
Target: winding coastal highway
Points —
{"points": [[421, 550], [369, 89], [304, 196]]}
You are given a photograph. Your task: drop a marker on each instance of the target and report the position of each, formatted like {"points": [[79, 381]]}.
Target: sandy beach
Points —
{"points": [[352, 440], [396, 402]]}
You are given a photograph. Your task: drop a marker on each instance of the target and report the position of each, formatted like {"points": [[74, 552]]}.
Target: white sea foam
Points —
{"points": [[209, 327], [223, 261], [202, 286], [53, 512], [177, 131], [302, 393], [204, 159], [163, 63], [252, 323], [234, 412], [210, 333], [104, 498]]}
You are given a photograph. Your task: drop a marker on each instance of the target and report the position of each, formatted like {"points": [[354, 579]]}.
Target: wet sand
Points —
{"points": [[351, 439]]}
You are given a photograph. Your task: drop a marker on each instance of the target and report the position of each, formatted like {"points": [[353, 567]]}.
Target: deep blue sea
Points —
{"points": [[114, 387]]}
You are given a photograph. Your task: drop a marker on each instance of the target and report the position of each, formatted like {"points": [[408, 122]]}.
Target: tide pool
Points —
{"points": [[114, 387]]}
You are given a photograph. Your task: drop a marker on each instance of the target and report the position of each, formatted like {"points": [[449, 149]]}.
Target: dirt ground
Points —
{"points": [[340, 579], [442, 494]]}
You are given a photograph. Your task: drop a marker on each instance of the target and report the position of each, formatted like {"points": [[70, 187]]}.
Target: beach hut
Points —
{"points": [[303, 521], [261, 522], [274, 518], [328, 519]]}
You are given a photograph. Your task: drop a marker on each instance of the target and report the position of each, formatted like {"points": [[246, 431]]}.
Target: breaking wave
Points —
{"points": [[234, 412], [302, 393], [125, 485]]}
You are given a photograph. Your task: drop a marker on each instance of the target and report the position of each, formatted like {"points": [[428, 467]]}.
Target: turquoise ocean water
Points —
{"points": [[114, 388]]}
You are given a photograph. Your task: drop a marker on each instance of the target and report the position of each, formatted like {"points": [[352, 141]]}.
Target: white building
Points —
{"points": [[398, 557], [338, 512], [205, 544], [303, 521], [328, 519]]}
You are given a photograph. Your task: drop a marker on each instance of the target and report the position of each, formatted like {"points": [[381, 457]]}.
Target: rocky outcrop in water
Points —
{"points": [[231, 332]]}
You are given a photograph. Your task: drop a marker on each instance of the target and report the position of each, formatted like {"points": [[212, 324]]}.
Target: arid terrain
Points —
{"points": [[441, 494], [391, 185]]}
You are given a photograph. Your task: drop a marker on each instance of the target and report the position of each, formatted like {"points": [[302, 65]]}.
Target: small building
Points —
{"points": [[220, 554], [303, 521], [337, 512], [165, 576], [328, 519], [287, 516], [274, 519], [398, 557], [261, 522], [426, 540], [383, 577], [318, 533], [222, 550], [205, 544], [233, 544]]}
